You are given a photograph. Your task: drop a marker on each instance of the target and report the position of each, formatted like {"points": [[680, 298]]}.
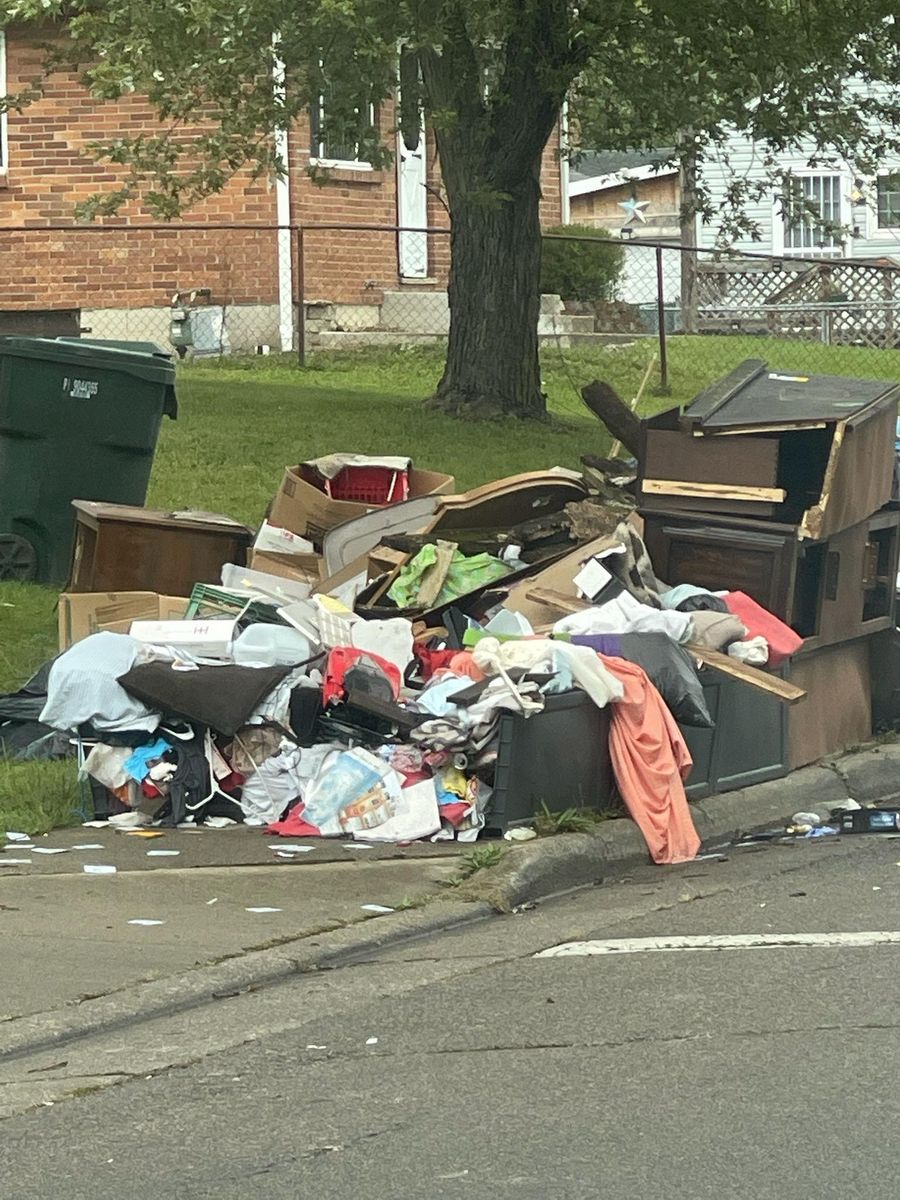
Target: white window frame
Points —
{"points": [[319, 159], [779, 226], [4, 138], [885, 232]]}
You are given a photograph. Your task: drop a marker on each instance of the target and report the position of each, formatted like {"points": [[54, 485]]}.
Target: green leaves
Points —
{"points": [[639, 73]]}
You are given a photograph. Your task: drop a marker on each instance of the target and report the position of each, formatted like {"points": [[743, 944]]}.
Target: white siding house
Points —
{"points": [[871, 214]]}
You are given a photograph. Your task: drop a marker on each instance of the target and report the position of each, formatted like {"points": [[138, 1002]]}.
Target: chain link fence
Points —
{"points": [[216, 290]]}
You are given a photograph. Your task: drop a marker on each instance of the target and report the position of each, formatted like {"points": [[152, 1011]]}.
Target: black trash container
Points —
{"points": [[78, 421]]}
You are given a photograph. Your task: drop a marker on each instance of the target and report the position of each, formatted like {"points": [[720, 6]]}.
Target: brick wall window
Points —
{"points": [[335, 140], [3, 138]]}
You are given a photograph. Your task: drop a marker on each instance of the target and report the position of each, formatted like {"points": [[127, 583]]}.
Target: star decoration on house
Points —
{"points": [[634, 209]]}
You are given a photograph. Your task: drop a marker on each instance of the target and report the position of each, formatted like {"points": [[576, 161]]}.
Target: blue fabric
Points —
{"points": [[137, 765], [676, 595]]}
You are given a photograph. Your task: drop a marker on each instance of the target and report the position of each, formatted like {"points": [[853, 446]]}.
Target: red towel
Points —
{"points": [[783, 642]]}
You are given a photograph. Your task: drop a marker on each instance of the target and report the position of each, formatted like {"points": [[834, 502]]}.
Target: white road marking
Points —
{"points": [[737, 941]]}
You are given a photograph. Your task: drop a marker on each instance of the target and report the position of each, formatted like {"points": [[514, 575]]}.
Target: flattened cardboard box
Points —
{"points": [[304, 510], [83, 613], [301, 568]]}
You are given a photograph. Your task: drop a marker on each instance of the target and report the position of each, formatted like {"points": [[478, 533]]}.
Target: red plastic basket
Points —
{"points": [[370, 485]]}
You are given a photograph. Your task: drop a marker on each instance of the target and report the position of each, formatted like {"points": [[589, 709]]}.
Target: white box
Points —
{"points": [[205, 639]]}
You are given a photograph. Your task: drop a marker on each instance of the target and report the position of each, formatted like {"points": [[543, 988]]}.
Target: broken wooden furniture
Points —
{"points": [[779, 485], [815, 451]]}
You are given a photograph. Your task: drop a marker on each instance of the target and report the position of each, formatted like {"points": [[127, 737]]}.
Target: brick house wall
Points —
{"points": [[116, 266]]}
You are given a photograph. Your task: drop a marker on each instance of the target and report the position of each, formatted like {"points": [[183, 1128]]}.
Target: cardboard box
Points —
{"points": [[304, 510], [302, 568], [83, 613]]}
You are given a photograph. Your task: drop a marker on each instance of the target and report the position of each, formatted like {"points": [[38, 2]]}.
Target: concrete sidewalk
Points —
{"points": [[65, 935]]}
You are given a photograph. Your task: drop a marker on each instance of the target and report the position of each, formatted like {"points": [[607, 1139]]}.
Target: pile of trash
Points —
{"points": [[394, 662]]}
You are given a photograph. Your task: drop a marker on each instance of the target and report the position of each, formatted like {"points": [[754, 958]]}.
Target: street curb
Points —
{"points": [[550, 866], [529, 872], [259, 968]]}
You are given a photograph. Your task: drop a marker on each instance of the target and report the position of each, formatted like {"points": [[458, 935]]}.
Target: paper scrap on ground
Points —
{"points": [[291, 848], [94, 824], [262, 908], [145, 921], [142, 833], [11, 836], [89, 846], [379, 908], [98, 869], [15, 862], [49, 849], [311, 1047], [356, 846], [371, 1041], [215, 900], [162, 853]]}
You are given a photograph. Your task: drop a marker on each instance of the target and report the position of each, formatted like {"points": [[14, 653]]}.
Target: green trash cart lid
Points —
{"points": [[144, 360]]}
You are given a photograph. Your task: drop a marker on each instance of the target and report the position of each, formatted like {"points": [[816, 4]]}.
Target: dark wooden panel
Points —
{"points": [[863, 473], [745, 461], [722, 558], [837, 710]]}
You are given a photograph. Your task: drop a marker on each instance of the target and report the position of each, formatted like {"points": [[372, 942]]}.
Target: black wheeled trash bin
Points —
{"points": [[78, 421]]}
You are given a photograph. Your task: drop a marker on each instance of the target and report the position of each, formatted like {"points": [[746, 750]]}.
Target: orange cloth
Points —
{"points": [[464, 664], [651, 762]]}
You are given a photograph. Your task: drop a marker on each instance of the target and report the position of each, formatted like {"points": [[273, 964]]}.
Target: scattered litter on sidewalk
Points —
{"points": [[145, 921], [49, 849], [386, 660], [17, 837], [163, 853], [809, 819], [262, 908], [372, 1041], [15, 862], [89, 846], [98, 869], [376, 908], [215, 900]]}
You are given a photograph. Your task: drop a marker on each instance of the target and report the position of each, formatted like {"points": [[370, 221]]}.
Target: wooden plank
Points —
{"points": [[787, 427], [718, 491], [559, 600], [718, 394], [744, 673]]}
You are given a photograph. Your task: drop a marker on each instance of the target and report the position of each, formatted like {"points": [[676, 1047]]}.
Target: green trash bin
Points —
{"points": [[78, 421]]}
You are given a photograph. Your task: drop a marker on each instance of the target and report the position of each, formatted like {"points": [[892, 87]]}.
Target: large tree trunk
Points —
{"points": [[492, 363]]}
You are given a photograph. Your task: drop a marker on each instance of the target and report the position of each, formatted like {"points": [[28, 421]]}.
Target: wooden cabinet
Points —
{"points": [[120, 548]]}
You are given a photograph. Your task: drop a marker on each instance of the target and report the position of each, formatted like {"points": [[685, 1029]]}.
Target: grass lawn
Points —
{"points": [[241, 422]]}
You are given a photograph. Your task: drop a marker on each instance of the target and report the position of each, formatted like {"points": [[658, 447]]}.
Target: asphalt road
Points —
{"points": [[465, 1067]]}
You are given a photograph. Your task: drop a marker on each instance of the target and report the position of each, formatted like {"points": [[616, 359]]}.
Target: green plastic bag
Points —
{"points": [[466, 574]]}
